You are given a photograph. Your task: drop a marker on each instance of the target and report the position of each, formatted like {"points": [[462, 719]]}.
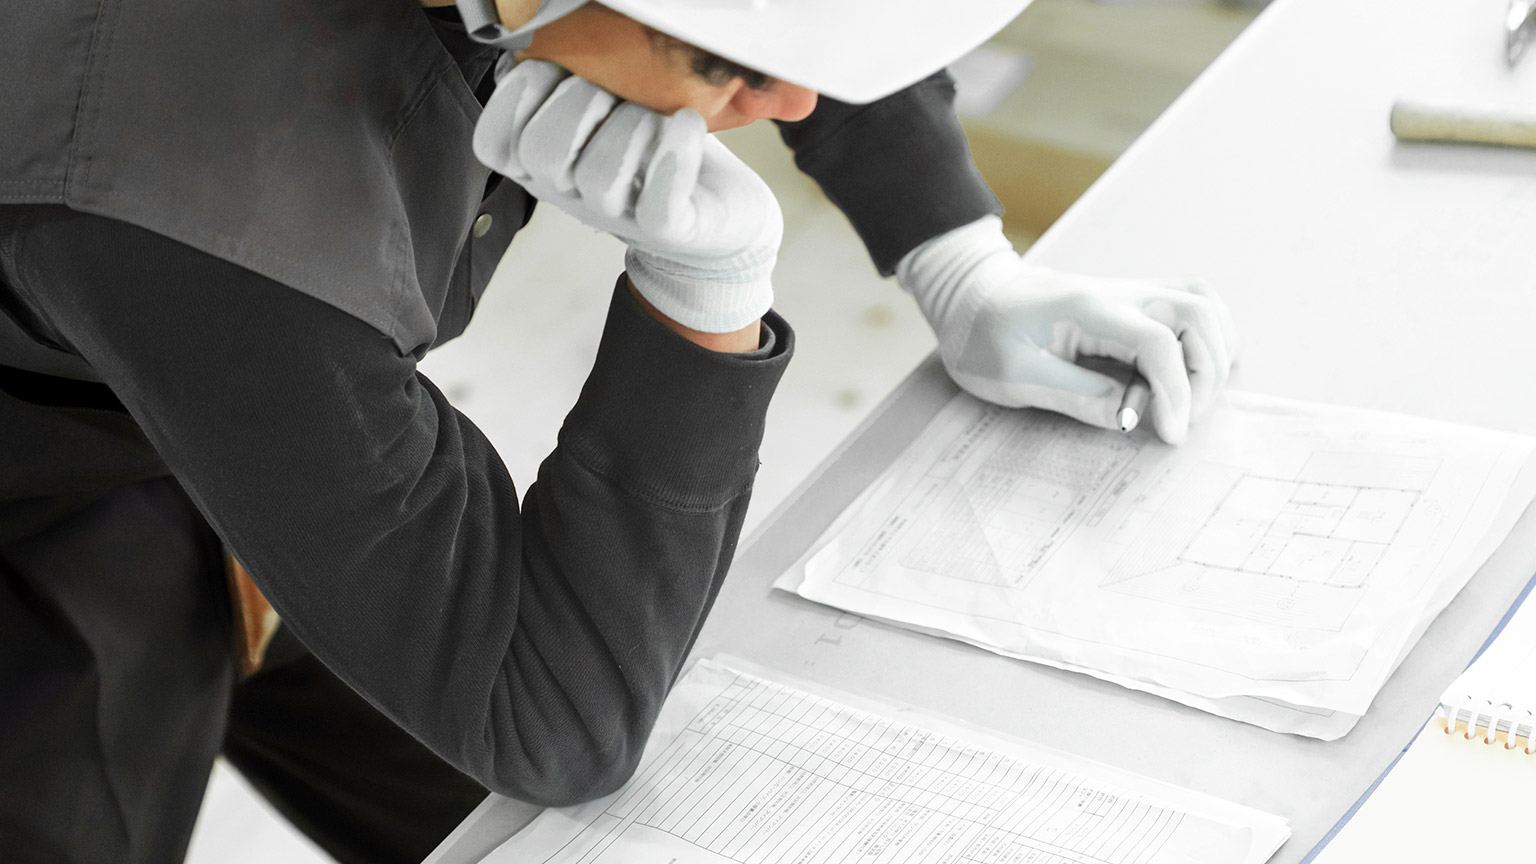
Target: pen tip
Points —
{"points": [[1128, 419]]}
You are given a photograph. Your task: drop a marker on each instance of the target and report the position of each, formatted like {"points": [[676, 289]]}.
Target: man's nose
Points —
{"points": [[780, 100]]}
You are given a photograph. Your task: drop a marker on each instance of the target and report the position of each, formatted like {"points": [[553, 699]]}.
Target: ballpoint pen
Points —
{"points": [[1519, 25], [1133, 406]]}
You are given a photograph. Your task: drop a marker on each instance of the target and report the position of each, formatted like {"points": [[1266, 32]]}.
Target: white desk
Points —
{"points": [[1359, 270]]}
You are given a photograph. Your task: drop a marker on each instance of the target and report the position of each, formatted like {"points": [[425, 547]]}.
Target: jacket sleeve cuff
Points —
{"points": [[670, 421], [899, 168]]}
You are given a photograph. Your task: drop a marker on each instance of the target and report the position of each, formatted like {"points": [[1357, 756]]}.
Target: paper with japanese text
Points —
{"points": [[750, 770]]}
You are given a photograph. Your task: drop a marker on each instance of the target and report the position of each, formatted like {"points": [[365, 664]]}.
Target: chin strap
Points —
{"points": [[484, 25]]}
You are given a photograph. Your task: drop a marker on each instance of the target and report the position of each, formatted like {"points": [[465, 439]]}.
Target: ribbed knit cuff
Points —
{"points": [[708, 305], [952, 273], [668, 420]]}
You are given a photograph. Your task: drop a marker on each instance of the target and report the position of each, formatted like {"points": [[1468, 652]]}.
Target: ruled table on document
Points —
{"points": [[762, 773]]}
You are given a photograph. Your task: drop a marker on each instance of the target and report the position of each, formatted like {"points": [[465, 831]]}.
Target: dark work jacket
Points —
{"points": [[325, 146]]}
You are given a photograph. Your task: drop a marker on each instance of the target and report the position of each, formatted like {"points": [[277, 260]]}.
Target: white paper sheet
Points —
{"points": [[1274, 568], [745, 769]]}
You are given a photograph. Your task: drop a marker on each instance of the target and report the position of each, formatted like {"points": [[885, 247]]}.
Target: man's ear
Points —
{"points": [[516, 13]]}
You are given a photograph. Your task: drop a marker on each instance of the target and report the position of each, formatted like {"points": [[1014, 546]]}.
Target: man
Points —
{"points": [[1008, 333], [227, 233]]}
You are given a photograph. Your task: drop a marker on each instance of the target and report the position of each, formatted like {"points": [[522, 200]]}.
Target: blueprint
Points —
{"points": [[746, 769], [1275, 567]]}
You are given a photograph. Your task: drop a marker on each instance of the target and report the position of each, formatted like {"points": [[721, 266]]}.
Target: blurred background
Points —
{"points": [[1047, 105]]}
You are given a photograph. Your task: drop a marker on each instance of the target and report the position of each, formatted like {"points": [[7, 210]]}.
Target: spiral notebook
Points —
{"points": [[1466, 788]]}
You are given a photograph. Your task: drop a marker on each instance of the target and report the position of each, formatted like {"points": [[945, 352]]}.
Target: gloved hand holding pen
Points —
{"points": [[1010, 332], [703, 229]]}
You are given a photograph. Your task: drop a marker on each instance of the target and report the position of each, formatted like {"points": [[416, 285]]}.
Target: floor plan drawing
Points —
{"points": [[1285, 551], [1298, 551]]}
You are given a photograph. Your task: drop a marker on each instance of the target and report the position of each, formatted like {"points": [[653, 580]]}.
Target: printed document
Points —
{"points": [[750, 770], [1274, 568]]}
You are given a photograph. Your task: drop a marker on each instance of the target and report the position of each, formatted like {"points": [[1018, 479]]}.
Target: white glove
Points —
{"points": [[1010, 333], [703, 229]]}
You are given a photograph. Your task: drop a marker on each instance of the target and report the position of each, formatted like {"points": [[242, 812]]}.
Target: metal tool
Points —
{"points": [[1519, 27]]}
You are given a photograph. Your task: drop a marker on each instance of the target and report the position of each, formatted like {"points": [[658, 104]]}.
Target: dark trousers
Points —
{"points": [[117, 690]]}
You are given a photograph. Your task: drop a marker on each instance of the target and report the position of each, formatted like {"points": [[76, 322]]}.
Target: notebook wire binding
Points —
{"points": [[1491, 723]]}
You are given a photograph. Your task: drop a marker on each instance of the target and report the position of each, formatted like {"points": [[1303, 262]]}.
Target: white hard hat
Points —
{"points": [[852, 50]]}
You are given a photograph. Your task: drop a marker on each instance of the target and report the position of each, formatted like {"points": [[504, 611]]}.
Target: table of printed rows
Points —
{"points": [[770, 775]]}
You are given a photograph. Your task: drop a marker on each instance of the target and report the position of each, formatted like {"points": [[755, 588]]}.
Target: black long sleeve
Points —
{"points": [[899, 168], [532, 645]]}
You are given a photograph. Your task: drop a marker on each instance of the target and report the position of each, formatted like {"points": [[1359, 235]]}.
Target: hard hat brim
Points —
{"points": [[851, 50]]}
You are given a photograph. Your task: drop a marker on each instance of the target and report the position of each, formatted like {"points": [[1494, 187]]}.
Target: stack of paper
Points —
{"points": [[1274, 568], [743, 769]]}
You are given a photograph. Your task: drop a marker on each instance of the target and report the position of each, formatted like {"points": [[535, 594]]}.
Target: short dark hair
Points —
{"points": [[713, 68]]}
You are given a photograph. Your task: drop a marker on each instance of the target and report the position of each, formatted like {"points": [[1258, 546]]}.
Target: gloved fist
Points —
{"points": [[1010, 333], [703, 229]]}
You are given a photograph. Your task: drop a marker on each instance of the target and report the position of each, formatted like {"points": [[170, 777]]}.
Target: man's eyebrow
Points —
{"points": [[713, 68]]}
